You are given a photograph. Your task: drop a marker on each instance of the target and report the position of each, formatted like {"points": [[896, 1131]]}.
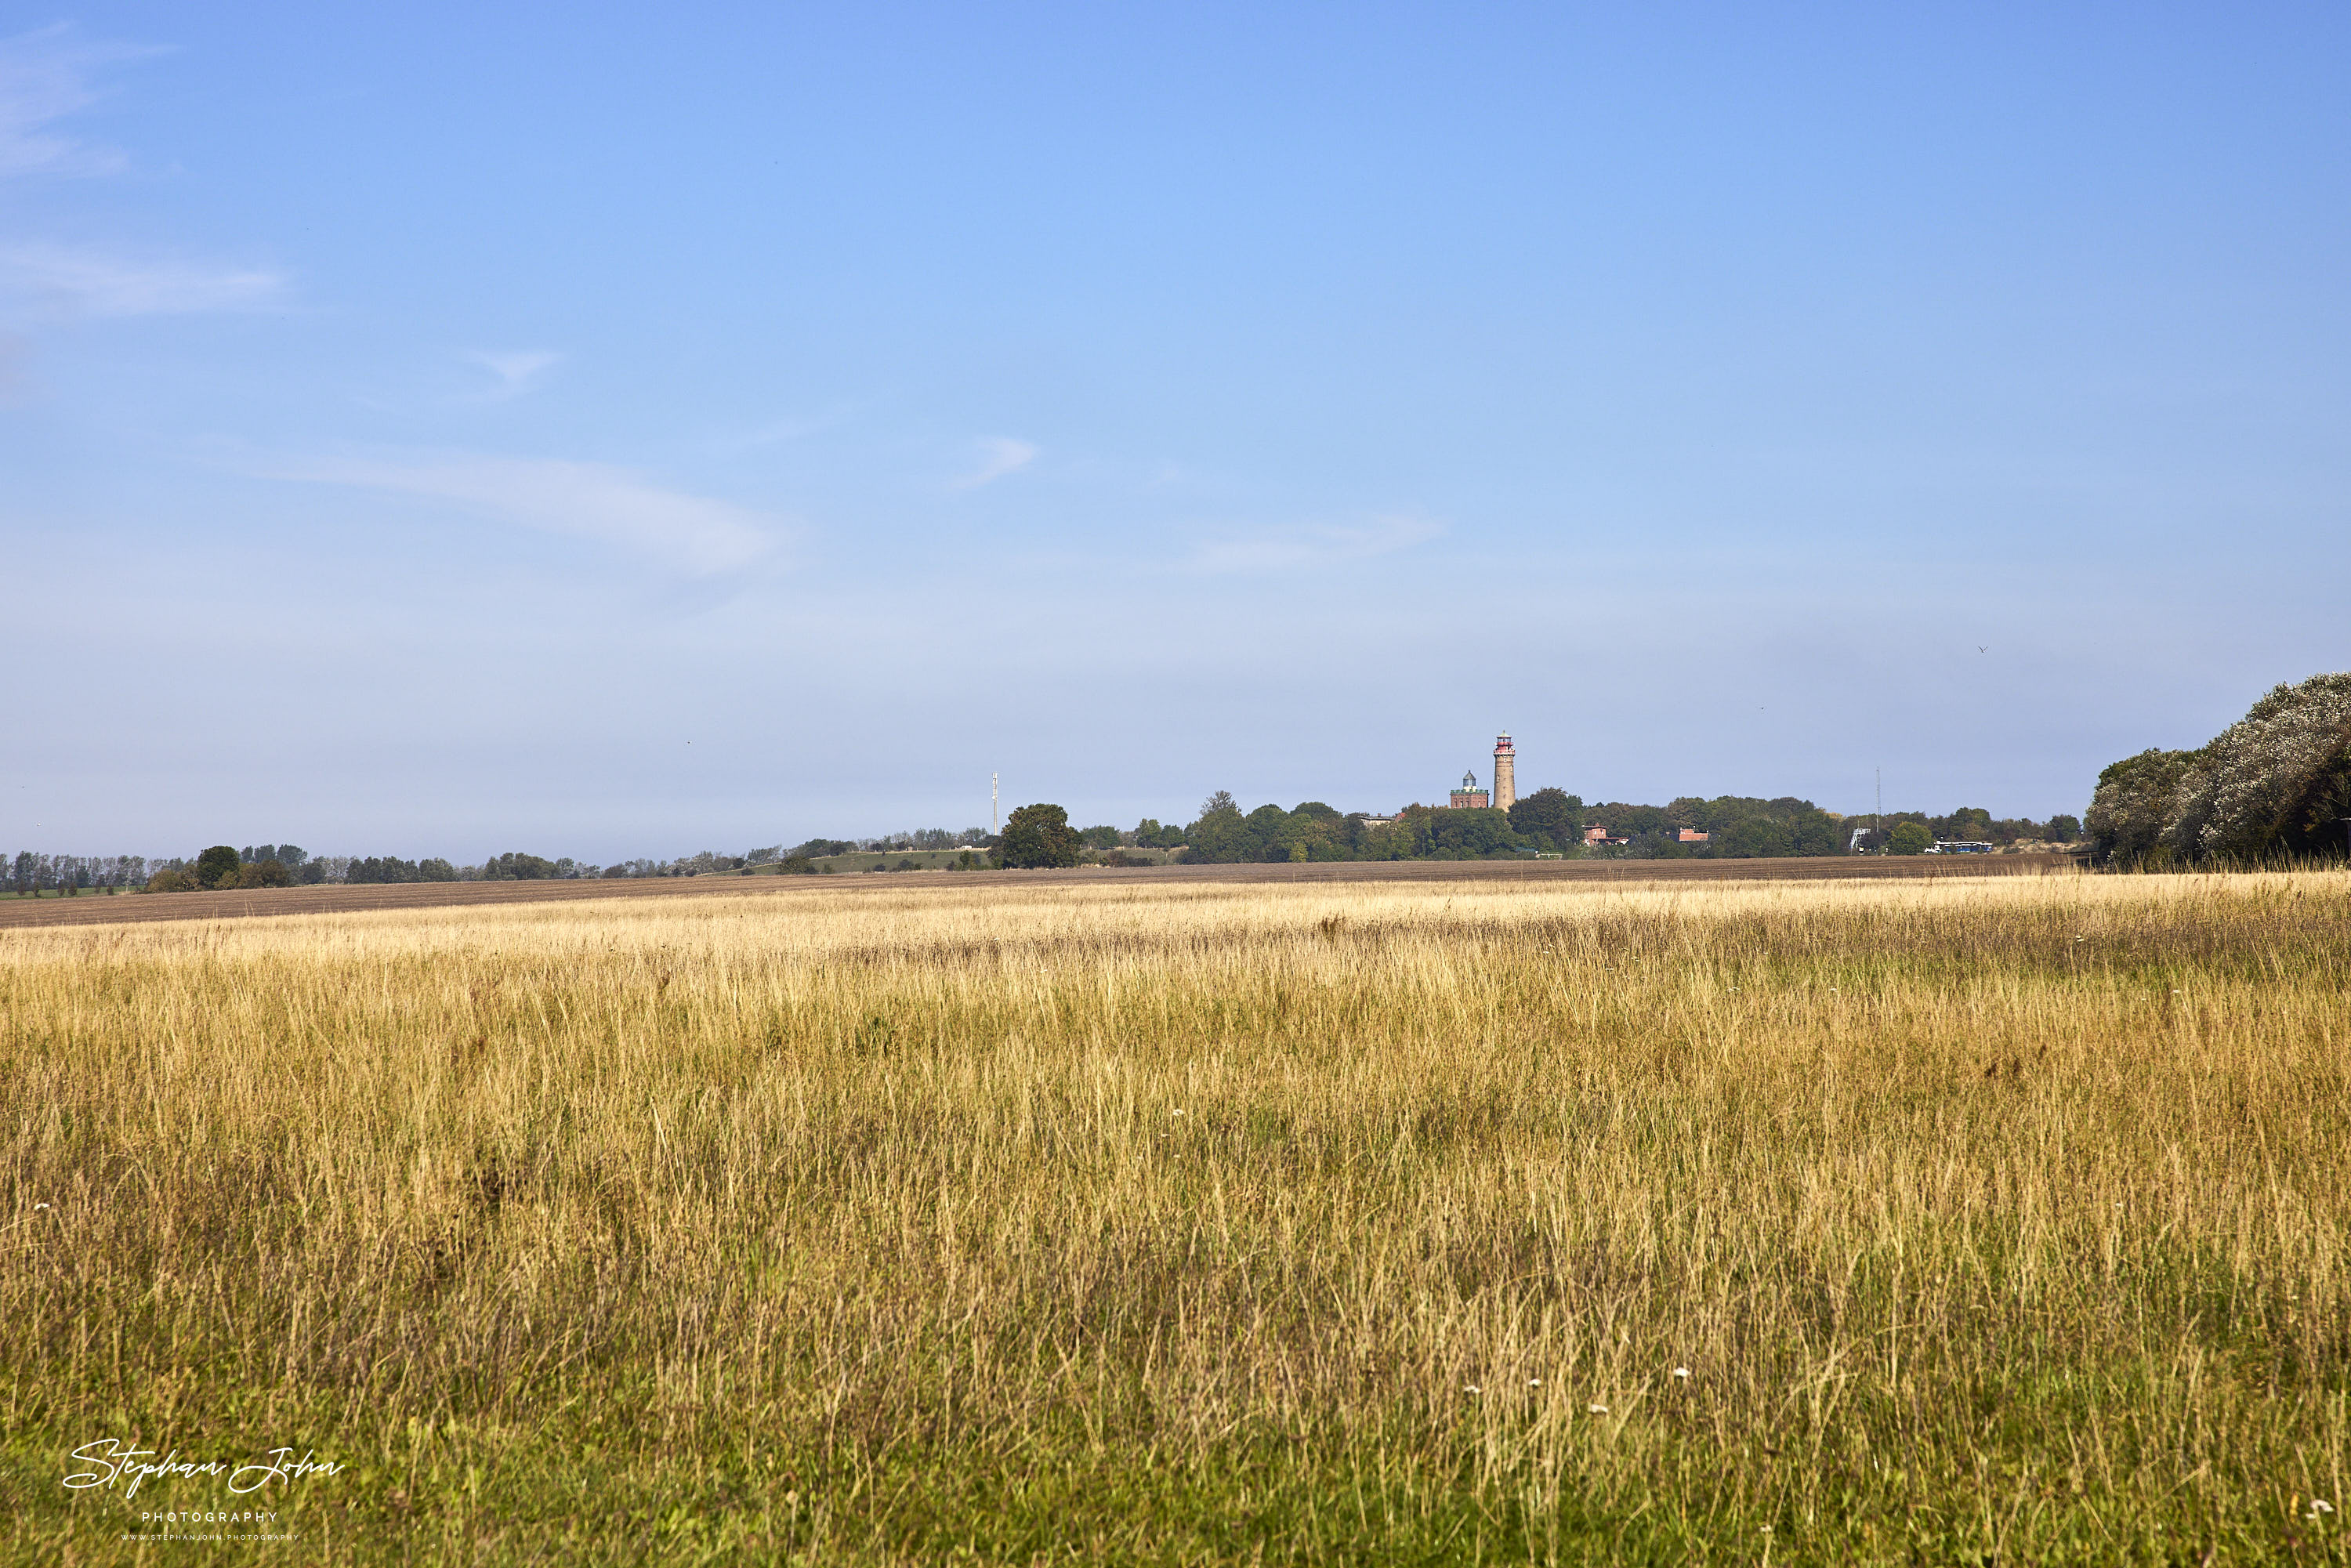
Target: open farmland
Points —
{"points": [[1188, 1218], [99, 908]]}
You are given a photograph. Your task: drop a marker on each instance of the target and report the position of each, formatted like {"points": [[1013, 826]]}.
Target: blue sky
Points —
{"points": [[431, 432]]}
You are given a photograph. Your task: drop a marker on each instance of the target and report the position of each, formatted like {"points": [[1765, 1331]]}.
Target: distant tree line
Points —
{"points": [[1914, 833], [902, 843], [288, 865], [223, 866], [29, 872], [1549, 820], [2275, 785]]}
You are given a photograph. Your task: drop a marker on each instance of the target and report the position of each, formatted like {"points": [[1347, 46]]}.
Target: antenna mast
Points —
{"points": [[992, 828]]}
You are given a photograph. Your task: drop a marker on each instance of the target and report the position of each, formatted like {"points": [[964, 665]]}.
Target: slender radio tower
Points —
{"points": [[992, 828]]}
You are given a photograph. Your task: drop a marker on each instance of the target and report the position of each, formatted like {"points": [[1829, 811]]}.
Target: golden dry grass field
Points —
{"points": [[1945, 1221]]}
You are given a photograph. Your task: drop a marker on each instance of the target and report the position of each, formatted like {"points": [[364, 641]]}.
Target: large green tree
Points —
{"points": [[2134, 802], [1269, 834], [1550, 813], [217, 866], [1967, 822], [1219, 837], [2276, 782], [1038, 837]]}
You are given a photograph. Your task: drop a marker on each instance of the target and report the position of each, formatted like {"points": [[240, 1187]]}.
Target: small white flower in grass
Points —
{"points": [[1472, 1388], [1682, 1372], [1597, 1409], [2319, 1506], [40, 1206], [1534, 1382]]}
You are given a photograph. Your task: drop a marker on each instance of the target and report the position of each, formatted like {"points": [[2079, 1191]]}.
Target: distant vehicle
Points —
{"points": [[1960, 847]]}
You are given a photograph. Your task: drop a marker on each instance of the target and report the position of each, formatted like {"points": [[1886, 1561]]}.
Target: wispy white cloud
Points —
{"points": [[1313, 545], [85, 282], [999, 456], [516, 368], [586, 500], [45, 76]]}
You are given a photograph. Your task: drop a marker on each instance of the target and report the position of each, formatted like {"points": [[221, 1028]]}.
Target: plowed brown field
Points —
{"points": [[100, 909]]}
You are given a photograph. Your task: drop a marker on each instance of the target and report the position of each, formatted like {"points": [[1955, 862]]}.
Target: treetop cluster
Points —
{"points": [[2275, 785]]}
